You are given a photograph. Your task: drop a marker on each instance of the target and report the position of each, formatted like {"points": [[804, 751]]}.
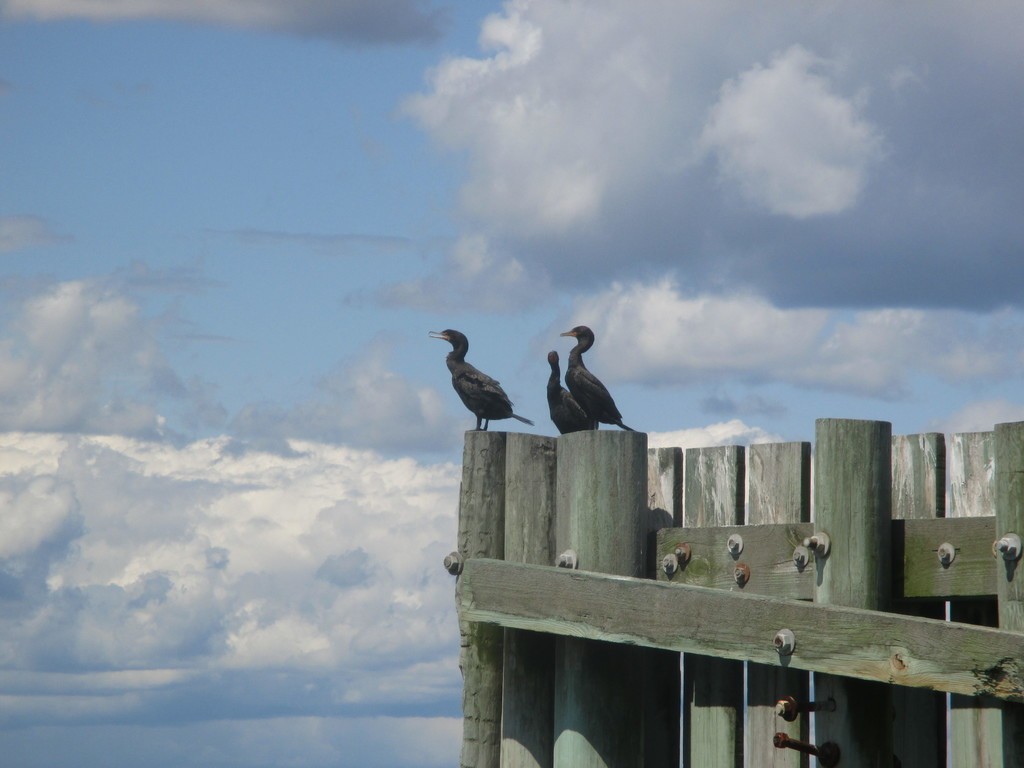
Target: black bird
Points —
{"points": [[588, 390], [479, 392], [566, 413]]}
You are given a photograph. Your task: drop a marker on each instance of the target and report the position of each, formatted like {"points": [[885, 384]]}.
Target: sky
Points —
{"points": [[229, 451]]}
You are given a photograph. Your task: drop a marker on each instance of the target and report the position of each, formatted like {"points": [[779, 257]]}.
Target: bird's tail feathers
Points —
{"points": [[522, 419]]}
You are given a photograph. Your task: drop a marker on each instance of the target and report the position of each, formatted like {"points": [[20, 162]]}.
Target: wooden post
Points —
{"points": [[601, 505], [1009, 466], [481, 534], [919, 492], [528, 699], [663, 681], [713, 688], [852, 504], [975, 723], [779, 482]]}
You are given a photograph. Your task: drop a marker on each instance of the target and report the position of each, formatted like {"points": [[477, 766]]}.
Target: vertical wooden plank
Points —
{"points": [[779, 491], [528, 685], [1010, 573], [852, 504], [975, 724], [601, 503], [919, 492], [481, 534], [663, 680], [713, 688]]}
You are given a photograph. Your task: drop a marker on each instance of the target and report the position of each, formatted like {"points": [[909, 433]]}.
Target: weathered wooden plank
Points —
{"points": [[852, 504], [975, 724], [528, 698], [481, 534], [778, 492], [662, 681], [869, 645], [917, 570], [919, 494], [601, 508], [713, 694], [1009, 567], [767, 552]]}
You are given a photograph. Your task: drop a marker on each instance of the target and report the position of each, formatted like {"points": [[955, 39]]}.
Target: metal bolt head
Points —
{"points": [[682, 553], [784, 642], [735, 544], [819, 542], [670, 564], [801, 556], [741, 573], [946, 553], [1009, 546], [568, 559], [453, 563]]}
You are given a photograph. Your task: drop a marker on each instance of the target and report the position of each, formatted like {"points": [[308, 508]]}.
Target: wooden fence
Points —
{"points": [[625, 607]]}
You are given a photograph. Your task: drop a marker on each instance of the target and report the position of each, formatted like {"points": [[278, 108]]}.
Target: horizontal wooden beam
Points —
{"points": [[768, 554], [900, 650]]}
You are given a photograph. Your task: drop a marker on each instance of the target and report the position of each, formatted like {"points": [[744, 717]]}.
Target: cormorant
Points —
{"points": [[479, 392], [588, 390], [566, 413]]}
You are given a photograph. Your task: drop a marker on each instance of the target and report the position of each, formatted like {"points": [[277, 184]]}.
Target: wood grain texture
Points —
{"points": [[481, 534], [528, 693], [852, 504]]}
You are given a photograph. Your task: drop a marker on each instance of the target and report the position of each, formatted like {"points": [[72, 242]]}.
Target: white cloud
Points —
{"points": [[733, 432], [982, 416], [652, 333], [788, 140], [132, 584]]}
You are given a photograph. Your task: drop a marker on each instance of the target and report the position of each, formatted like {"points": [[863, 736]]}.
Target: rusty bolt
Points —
{"points": [[568, 559], [682, 553], [827, 753], [741, 573], [947, 553], [788, 707], [453, 563], [735, 544], [784, 642]]}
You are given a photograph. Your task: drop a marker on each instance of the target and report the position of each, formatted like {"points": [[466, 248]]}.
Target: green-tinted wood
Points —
{"points": [[975, 724], [713, 688], [1009, 572], [919, 493], [528, 700], [871, 645], [917, 570], [481, 534], [662, 684], [601, 509], [778, 491], [852, 504]]}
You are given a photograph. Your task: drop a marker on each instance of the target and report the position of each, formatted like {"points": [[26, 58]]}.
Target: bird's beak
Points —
{"points": [[437, 335], [568, 333]]}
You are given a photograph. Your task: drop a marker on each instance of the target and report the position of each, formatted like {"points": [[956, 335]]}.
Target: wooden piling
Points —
{"points": [[852, 504], [713, 697], [481, 534], [601, 502], [919, 493], [975, 723], [1009, 478], [527, 719], [779, 482]]}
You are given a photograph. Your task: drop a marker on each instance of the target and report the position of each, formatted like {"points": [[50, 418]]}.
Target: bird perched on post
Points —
{"points": [[588, 390], [478, 391], [566, 413]]}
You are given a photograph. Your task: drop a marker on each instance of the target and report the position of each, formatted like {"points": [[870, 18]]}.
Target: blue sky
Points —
{"points": [[226, 228]]}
